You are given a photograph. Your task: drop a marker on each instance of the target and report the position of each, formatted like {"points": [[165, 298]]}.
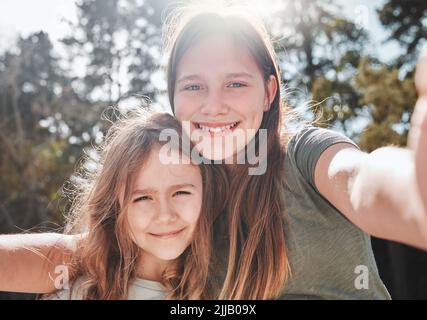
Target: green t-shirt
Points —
{"points": [[330, 257]]}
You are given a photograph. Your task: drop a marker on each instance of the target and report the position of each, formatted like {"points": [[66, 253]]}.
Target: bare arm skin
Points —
{"points": [[28, 261], [384, 192]]}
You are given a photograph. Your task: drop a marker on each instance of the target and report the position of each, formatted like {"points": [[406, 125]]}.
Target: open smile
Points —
{"points": [[213, 127]]}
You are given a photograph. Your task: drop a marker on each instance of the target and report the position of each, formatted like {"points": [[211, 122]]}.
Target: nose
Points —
{"points": [[165, 212], [214, 105]]}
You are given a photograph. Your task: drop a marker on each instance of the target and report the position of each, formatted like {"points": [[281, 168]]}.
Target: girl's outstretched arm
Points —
{"points": [[35, 263], [384, 192]]}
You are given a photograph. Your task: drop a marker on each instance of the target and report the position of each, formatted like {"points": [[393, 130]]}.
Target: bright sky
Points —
{"points": [[363, 12], [26, 16]]}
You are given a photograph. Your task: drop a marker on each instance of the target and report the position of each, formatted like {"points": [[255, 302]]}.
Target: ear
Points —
{"points": [[271, 92]]}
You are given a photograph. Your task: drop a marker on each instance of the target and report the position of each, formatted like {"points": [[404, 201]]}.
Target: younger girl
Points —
{"points": [[144, 218]]}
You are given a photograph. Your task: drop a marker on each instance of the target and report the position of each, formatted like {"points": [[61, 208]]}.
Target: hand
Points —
{"points": [[417, 140]]}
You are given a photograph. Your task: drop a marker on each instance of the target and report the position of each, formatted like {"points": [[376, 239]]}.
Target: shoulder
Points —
{"points": [[306, 146], [72, 291], [314, 139]]}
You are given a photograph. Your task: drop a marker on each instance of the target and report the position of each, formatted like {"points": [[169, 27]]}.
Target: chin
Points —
{"points": [[169, 255], [228, 157], [217, 156], [219, 152]]}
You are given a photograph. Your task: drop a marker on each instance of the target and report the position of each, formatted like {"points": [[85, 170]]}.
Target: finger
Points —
{"points": [[418, 124], [419, 117], [421, 166], [417, 140], [421, 73]]}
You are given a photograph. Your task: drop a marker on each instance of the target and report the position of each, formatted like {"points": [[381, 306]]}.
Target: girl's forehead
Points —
{"points": [[166, 163], [216, 52], [162, 169]]}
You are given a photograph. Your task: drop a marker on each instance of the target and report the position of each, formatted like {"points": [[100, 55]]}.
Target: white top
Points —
{"points": [[140, 289]]}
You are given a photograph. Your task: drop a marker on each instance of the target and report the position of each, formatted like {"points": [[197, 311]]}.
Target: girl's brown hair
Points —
{"points": [[257, 266], [106, 257]]}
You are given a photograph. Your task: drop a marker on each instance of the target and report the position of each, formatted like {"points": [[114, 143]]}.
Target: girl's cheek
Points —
{"points": [[193, 210], [177, 108], [139, 219], [181, 106], [185, 106]]}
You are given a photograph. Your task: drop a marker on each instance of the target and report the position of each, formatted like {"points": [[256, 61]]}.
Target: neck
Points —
{"points": [[151, 267]]}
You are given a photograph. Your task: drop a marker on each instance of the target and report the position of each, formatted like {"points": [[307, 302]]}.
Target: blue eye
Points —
{"points": [[236, 85], [192, 87], [143, 198]]}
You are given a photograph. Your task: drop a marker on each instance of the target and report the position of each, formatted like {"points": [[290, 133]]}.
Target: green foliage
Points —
{"points": [[391, 102], [315, 39], [114, 38], [407, 22], [361, 86], [34, 162]]}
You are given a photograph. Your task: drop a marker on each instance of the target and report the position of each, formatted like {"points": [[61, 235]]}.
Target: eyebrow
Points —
{"points": [[227, 75], [154, 191], [239, 74], [189, 77]]}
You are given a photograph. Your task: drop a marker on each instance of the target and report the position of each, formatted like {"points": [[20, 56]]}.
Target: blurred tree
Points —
{"points": [[389, 90], [319, 49], [315, 38], [407, 22], [390, 101], [119, 46], [33, 160]]}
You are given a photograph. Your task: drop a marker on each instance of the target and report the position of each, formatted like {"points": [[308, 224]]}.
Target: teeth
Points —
{"points": [[217, 129]]}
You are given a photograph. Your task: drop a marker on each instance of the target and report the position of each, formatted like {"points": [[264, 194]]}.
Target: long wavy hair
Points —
{"points": [[257, 266], [106, 256]]}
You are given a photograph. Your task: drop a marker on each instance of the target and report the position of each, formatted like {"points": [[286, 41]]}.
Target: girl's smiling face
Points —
{"points": [[165, 207], [221, 91]]}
